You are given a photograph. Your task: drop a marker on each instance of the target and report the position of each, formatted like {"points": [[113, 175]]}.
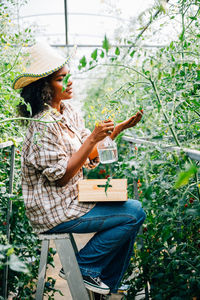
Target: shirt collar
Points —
{"points": [[56, 115]]}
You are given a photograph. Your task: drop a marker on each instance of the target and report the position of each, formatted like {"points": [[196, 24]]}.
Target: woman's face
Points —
{"points": [[56, 83]]}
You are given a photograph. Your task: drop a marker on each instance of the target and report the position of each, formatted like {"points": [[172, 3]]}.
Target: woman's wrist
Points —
{"points": [[118, 129], [92, 140]]}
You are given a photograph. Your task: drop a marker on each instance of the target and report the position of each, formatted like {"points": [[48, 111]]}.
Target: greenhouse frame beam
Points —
{"points": [[192, 153], [100, 46], [9, 212], [74, 14], [66, 22]]}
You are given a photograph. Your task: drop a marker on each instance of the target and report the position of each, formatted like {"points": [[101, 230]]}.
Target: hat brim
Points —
{"points": [[27, 78]]}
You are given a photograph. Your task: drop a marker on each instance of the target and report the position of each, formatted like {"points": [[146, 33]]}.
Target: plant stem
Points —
{"points": [[165, 115], [189, 264], [126, 67], [194, 109], [15, 61], [131, 84], [183, 28], [192, 19]]}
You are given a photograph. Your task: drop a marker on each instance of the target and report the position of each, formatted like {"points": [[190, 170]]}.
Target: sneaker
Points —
{"points": [[96, 285], [92, 284], [62, 273]]}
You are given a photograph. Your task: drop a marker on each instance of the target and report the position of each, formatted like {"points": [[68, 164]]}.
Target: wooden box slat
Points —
{"points": [[89, 190]]}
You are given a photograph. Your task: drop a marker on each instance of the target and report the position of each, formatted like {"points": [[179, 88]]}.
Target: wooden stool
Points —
{"points": [[66, 248]]}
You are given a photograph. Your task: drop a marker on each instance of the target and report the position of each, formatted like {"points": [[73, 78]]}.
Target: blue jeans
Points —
{"points": [[108, 252]]}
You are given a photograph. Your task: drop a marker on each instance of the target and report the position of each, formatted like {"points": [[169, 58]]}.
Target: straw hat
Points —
{"points": [[42, 61]]}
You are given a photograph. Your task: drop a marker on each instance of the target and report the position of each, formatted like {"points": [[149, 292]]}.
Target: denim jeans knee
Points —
{"points": [[134, 208]]}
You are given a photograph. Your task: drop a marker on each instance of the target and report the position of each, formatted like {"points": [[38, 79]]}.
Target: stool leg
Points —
{"points": [[71, 269], [73, 242], [42, 270], [91, 295]]}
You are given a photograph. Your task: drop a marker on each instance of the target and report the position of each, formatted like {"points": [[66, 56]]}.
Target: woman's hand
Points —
{"points": [[102, 130], [132, 121]]}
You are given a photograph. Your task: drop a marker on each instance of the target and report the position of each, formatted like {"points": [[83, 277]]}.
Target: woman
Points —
{"points": [[55, 149]]}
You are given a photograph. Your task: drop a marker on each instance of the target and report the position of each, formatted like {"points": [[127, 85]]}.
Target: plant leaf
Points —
{"points": [[106, 44], [102, 54], [83, 61], [107, 184], [185, 176], [94, 54], [117, 51], [17, 265], [65, 81]]}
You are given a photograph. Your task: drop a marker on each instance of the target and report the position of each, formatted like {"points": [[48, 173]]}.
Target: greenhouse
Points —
{"points": [[100, 150]]}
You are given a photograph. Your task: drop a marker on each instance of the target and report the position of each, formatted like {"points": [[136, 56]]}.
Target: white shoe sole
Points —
{"points": [[96, 289]]}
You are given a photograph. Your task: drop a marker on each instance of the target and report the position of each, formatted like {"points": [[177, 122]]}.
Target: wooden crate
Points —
{"points": [[93, 190]]}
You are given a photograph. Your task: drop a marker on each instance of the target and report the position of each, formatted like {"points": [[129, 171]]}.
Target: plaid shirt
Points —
{"points": [[46, 151]]}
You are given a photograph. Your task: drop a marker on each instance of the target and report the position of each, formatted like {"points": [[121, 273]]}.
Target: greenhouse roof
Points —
{"points": [[80, 22]]}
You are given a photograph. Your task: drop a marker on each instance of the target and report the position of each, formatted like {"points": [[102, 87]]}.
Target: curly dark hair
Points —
{"points": [[37, 94]]}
